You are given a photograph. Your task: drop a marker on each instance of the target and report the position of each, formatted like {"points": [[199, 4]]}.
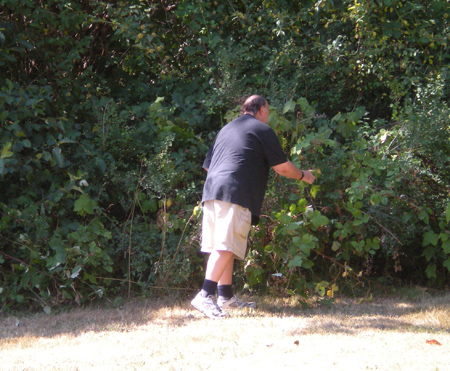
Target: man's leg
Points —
{"points": [[218, 270], [224, 288], [220, 267], [226, 299]]}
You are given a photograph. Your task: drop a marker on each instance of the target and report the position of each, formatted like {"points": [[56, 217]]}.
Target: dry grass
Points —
{"points": [[389, 334]]}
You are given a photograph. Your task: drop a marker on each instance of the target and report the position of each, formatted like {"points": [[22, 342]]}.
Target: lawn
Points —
{"points": [[167, 334]]}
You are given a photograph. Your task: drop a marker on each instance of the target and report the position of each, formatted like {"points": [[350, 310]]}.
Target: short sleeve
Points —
{"points": [[207, 162], [272, 148], [208, 158]]}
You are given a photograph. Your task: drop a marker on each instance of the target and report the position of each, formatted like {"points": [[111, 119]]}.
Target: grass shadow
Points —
{"points": [[76, 321], [343, 316], [351, 316]]}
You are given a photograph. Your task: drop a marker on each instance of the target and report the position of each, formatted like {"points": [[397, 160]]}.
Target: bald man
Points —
{"points": [[238, 165]]}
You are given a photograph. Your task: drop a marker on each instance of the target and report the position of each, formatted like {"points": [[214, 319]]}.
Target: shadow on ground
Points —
{"points": [[351, 316], [76, 321], [343, 316]]}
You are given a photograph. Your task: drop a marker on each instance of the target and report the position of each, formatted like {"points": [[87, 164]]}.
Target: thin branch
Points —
{"points": [[136, 193], [388, 231], [176, 252]]}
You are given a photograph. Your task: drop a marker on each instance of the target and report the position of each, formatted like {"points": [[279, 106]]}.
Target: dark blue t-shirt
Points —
{"points": [[238, 163]]}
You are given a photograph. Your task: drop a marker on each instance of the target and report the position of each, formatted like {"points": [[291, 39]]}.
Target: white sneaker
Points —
{"points": [[234, 302], [208, 307]]}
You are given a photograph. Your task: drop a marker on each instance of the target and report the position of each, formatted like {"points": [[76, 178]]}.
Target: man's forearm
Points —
{"points": [[289, 170]]}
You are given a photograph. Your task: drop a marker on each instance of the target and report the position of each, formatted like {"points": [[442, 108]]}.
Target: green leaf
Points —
{"points": [[76, 271], [190, 50], [285, 219], [84, 205], [321, 287], [429, 253], [358, 245], [306, 108], [446, 264], [58, 157], [296, 262], [289, 106], [446, 246], [364, 219], [2, 167], [292, 226], [430, 238], [20, 298], [423, 215], [56, 244], [26, 44], [306, 248], [406, 217], [6, 151], [89, 277], [314, 190], [100, 164], [447, 213], [318, 219], [10, 84], [307, 264], [309, 238], [431, 271], [336, 246], [149, 205], [357, 115]]}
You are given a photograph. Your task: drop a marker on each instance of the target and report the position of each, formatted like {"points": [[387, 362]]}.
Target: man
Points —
{"points": [[238, 165]]}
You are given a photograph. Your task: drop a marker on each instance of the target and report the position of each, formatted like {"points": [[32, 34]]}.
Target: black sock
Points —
{"points": [[225, 291], [209, 288]]}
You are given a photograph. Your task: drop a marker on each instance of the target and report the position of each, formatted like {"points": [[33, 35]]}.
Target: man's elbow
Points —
{"points": [[282, 169]]}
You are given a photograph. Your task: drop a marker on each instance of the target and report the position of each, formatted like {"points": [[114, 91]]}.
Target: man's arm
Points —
{"points": [[289, 170]]}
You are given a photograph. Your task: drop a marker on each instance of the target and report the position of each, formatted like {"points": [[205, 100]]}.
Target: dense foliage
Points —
{"points": [[108, 108]]}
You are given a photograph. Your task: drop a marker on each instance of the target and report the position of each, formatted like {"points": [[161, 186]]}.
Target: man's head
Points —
{"points": [[256, 106]]}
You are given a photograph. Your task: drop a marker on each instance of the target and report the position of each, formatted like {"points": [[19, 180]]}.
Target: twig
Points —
{"points": [[116, 279], [389, 147], [176, 252], [173, 288], [26, 264], [163, 242], [103, 123], [388, 231], [133, 207]]}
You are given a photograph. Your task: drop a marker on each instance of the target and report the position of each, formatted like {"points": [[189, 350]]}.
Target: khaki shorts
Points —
{"points": [[225, 228]]}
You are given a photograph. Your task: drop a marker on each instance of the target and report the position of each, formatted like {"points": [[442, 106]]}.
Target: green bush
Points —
{"points": [[364, 217]]}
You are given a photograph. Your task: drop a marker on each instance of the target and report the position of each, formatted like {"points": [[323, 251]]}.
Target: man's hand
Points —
{"points": [[308, 177]]}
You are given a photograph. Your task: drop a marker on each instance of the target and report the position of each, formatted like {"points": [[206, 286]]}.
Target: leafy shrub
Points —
{"points": [[358, 221]]}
